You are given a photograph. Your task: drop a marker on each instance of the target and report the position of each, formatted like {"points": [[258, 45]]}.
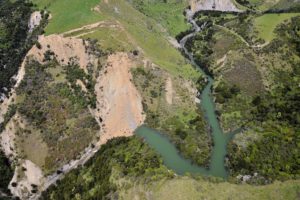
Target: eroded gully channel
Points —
{"points": [[170, 155]]}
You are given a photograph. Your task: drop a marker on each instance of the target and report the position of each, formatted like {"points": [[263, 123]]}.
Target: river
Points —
{"points": [[172, 159]]}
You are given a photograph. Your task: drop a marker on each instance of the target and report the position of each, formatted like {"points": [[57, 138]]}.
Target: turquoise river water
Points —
{"points": [[170, 155]]}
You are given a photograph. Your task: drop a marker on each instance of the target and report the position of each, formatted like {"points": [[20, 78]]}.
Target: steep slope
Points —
{"points": [[113, 68], [54, 113], [118, 99], [50, 113]]}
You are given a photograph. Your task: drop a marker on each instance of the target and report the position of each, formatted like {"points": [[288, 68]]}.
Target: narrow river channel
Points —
{"points": [[172, 159]]}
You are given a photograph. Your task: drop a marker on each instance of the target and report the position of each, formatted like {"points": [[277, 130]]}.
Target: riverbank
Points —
{"points": [[220, 140]]}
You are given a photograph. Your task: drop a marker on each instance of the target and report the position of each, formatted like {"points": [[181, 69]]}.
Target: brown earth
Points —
{"points": [[169, 91], [118, 101], [64, 49]]}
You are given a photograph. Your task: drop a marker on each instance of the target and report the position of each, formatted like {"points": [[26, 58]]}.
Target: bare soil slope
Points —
{"points": [[119, 102], [64, 49]]}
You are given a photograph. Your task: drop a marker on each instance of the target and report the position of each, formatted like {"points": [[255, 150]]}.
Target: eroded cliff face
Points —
{"points": [[118, 101], [119, 109], [222, 5], [28, 171]]}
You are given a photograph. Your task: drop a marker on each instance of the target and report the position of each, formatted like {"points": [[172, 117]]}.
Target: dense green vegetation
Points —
{"points": [[254, 89], [15, 40], [6, 173], [75, 73], [120, 157], [276, 154], [200, 46]]}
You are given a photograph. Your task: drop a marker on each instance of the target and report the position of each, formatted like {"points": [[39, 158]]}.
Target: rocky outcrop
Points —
{"points": [[35, 20], [220, 5]]}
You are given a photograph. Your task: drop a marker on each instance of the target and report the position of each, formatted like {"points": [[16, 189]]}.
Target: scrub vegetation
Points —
{"points": [[276, 154], [253, 57], [182, 120], [252, 63], [58, 112]]}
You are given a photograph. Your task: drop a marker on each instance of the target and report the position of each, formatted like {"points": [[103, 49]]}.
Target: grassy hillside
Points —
{"points": [[112, 39], [189, 188], [142, 31], [150, 38], [168, 13], [69, 14], [266, 24]]}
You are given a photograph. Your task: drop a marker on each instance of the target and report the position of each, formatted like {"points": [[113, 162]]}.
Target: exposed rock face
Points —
{"points": [[221, 5], [27, 178], [35, 20]]}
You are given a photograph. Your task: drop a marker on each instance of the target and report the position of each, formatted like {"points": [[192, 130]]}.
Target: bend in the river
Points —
{"points": [[167, 150]]}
